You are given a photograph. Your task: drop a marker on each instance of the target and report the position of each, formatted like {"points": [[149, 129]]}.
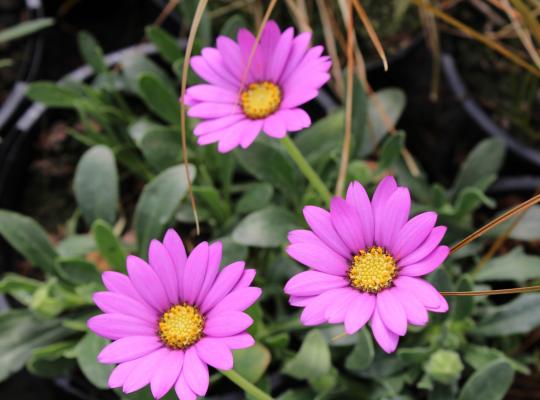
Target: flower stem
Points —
{"points": [[306, 169], [245, 385]]}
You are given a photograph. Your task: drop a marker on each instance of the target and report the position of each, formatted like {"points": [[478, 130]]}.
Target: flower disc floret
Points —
{"points": [[260, 100], [181, 326], [372, 270]]}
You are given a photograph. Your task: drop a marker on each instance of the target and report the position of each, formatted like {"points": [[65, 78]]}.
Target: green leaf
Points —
{"points": [[161, 147], [257, 196], [28, 238], [91, 52], [323, 139], [514, 266], [77, 271], [135, 65], [50, 361], [469, 199], [19, 287], [159, 98], [484, 160], [463, 305], [444, 366], [391, 150], [87, 351], [490, 383], [25, 28], [231, 26], [252, 362], [384, 109], [158, 202], [166, 44], [268, 164], [265, 228], [312, 360], [232, 251], [109, 245], [359, 123], [362, 354], [211, 198], [76, 246], [54, 95], [521, 315], [96, 185], [528, 227], [20, 334], [480, 356]]}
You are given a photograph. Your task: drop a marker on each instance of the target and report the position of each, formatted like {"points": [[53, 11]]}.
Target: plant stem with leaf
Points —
{"points": [[245, 385], [308, 171]]}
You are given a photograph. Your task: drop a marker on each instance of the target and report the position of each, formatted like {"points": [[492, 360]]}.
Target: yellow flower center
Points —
{"points": [[372, 270], [181, 326], [260, 100]]}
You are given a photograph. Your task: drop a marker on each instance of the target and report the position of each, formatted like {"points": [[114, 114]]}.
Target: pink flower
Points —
{"points": [[236, 103], [365, 259], [173, 317]]}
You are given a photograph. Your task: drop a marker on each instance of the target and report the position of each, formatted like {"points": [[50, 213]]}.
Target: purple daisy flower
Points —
{"points": [[173, 317], [238, 103], [365, 259]]}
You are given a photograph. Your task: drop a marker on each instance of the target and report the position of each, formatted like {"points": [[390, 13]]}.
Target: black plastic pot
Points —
{"points": [[27, 71], [480, 116]]}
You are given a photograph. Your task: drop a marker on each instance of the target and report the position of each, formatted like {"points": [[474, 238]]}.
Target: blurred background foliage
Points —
{"points": [[129, 185]]}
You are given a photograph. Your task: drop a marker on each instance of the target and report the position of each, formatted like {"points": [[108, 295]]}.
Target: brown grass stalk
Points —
{"points": [[185, 69], [346, 149], [467, 30], [495, 292], [371, 32], [500, 219]]}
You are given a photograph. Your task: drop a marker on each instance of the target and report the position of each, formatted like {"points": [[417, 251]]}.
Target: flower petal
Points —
{"points": [[318, 256], [177, 252], [413, 234], [120, 283], [208, 110], [215, 353], [416, 312], [227, 323], [116, 326], [347, 224], [428, 264], [147, 283], [312, 283], [212, 93], [426, 248], [299, 47], [166, 373], [359, 312], [320, 222], [196, 266], [161, 261], [120, 373], [223, 285], [195, 372], [387, 339], [183, 391], [216, 124], [393, 217], [382, 194], [274, 126], [336, 312], [358, 198], [128, 348], [237, 300], [250, 132], [215, 251], [241, 341], [281, 55], [315, 311], [246, 279], [141, 375], [422, 290], [392, 312], [295, 119], [111, 302]]}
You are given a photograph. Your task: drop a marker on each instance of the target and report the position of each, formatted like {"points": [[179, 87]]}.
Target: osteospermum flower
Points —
{"points": [[242, 99], [366, 259], [173, 317]]}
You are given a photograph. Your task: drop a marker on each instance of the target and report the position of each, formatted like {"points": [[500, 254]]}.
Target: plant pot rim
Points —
{"points": [[479, 115]]}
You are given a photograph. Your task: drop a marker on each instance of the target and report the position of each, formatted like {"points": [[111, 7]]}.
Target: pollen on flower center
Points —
{"points": [[181, 326], [260, 99], [372, 270]]}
